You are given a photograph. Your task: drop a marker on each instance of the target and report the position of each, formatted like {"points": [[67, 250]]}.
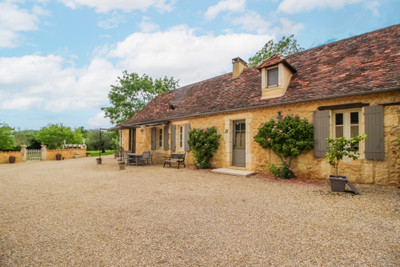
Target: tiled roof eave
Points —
{"points": [[144, 123]]}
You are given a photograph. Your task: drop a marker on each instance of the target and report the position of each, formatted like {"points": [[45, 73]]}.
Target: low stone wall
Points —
{"points": [[47, 154], [66, 153], [6, 154]]}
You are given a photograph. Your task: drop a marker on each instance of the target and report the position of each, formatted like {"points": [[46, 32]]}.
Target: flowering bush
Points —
{"points": [[287, 138], [203, 144]]}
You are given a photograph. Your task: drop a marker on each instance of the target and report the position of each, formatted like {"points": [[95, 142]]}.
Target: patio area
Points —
{"points": [[75, 212]]}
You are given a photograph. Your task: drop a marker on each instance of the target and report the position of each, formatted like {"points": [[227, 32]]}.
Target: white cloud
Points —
{"points": [[104, 6], [373, 6], [112, 22], [13, 20], [43, 82], [189, 57], [147, 26], [225, 5], [296, 6], [99, 121], [252, 21]]}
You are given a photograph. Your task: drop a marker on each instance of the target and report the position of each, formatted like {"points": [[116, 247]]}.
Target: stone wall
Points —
{"points": [[385, 172], [47, 154], [6, 154]]}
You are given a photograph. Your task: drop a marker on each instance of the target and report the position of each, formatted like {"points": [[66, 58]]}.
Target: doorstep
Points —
{"points": [[233, 172]]}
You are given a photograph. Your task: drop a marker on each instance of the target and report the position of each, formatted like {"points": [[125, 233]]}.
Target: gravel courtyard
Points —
{"points": [[75, 212]]}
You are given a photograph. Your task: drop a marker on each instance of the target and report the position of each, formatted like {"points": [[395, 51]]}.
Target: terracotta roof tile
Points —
{"points": [[362, 64]]}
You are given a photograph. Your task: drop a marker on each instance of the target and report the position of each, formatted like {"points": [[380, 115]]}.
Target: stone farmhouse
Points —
{"points": [[345, 88]]}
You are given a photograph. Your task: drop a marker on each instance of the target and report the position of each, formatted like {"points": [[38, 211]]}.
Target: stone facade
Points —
{"points": [[385, 172]]}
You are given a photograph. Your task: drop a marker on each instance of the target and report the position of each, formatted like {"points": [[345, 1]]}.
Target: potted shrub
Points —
{"points": [[58, 156], [76, 155], [337, 150], [98, 160], [121, 165], [11, 159]]}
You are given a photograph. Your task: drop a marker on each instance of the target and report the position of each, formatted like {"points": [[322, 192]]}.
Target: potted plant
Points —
{"points": [[76, 155], [98, 160], [11, 159], [121, 165], [58, 156], [337, 150]]}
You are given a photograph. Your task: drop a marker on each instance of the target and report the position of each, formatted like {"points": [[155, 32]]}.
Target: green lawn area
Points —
{"points": [[94, 153]]}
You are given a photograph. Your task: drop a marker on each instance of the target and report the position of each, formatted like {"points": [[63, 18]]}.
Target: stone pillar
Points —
{"points": [[23, 153], [43, 152]]}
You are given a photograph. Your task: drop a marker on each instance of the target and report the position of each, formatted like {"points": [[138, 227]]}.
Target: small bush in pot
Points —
{"points": [[11, 159], [338, 149]]}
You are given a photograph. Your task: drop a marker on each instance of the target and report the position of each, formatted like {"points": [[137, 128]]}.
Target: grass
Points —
{"points": [[95, 153]]}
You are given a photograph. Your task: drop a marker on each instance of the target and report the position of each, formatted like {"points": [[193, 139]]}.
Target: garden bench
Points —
{"points": [[175, 157]]}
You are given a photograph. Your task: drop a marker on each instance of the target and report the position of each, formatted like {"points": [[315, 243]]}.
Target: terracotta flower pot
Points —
{"points": [[11, 159], [58, 156]]}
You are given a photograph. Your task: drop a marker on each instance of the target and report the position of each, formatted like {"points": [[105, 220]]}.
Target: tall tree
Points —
{"points": [[54, 135], [7, 140], [132, 93], [286, 46]]}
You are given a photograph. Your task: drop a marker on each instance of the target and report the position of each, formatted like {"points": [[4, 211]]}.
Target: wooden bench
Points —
{"points": [[175, 157]]}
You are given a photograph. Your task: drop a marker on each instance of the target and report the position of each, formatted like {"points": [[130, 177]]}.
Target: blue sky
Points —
{"points": [[59, 58]]}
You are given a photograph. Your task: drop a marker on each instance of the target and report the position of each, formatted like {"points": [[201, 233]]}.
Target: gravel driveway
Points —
{"points": [[75, 212]]}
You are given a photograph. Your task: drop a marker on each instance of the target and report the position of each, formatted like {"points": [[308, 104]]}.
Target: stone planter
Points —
{"points": [[121, 165], [11, 159], [58, 156], [76, 156], [338, 183]]}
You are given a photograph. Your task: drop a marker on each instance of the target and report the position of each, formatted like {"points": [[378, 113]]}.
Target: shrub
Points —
{"points": [[203, 144], [287, 138], [342, 147]]}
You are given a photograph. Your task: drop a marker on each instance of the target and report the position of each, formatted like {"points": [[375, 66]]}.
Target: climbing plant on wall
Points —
{"points": [[288, 138], [203, 144]]}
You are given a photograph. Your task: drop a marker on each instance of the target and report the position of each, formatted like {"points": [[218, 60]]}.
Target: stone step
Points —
{"points": [[233, 172]]}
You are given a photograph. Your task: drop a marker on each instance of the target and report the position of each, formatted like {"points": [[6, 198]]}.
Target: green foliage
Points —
{"points": [[284, 172], [27, 138], [203, 144], [54, 135], [286, 46], [95, 153], [109, 140], [7, 140], [288, 138], [343, 147], [132, 93]]}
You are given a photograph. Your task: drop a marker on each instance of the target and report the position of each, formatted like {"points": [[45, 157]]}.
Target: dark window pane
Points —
{"points": [[243, 127], [237, 126], [339, 119], [272, 77], [354, 117]]}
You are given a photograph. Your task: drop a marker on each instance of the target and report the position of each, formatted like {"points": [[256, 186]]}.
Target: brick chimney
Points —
{"points": [[238, 66]]}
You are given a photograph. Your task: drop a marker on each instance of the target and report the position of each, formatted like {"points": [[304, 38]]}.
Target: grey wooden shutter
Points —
{"points": [[173, 138], [321, 132], [374, 144], [166, 137], [186, 133], [153, 138]]}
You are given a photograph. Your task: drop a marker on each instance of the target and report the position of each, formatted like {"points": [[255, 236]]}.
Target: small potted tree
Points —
{"points": [[337, 150]]}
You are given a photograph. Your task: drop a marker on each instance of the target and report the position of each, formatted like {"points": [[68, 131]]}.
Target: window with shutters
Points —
{"points": [[160, 138], [180, 136], [346, 124]]}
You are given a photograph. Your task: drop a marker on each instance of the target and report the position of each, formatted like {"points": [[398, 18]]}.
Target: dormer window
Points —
{"points": [[276, 73], [272, 77]]}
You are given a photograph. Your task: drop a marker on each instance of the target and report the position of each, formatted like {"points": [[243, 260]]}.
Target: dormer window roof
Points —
{"points": [[276, 73]]}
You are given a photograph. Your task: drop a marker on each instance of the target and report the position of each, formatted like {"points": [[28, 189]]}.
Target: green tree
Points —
{"points": [[7, 140], [203, 144], [286, 46], [132, 93], [26, 137], [287, 138], [54, 135], [109, 140]]}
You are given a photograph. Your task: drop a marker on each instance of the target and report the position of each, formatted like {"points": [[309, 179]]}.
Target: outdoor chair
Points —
{"points": [[147, 156], [175, 158]]}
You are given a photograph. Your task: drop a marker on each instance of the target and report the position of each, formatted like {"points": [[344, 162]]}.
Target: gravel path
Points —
{"points": [[75, 212]]}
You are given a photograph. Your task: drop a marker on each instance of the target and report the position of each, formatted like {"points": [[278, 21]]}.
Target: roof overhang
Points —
{"points": [[145, 124]]}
